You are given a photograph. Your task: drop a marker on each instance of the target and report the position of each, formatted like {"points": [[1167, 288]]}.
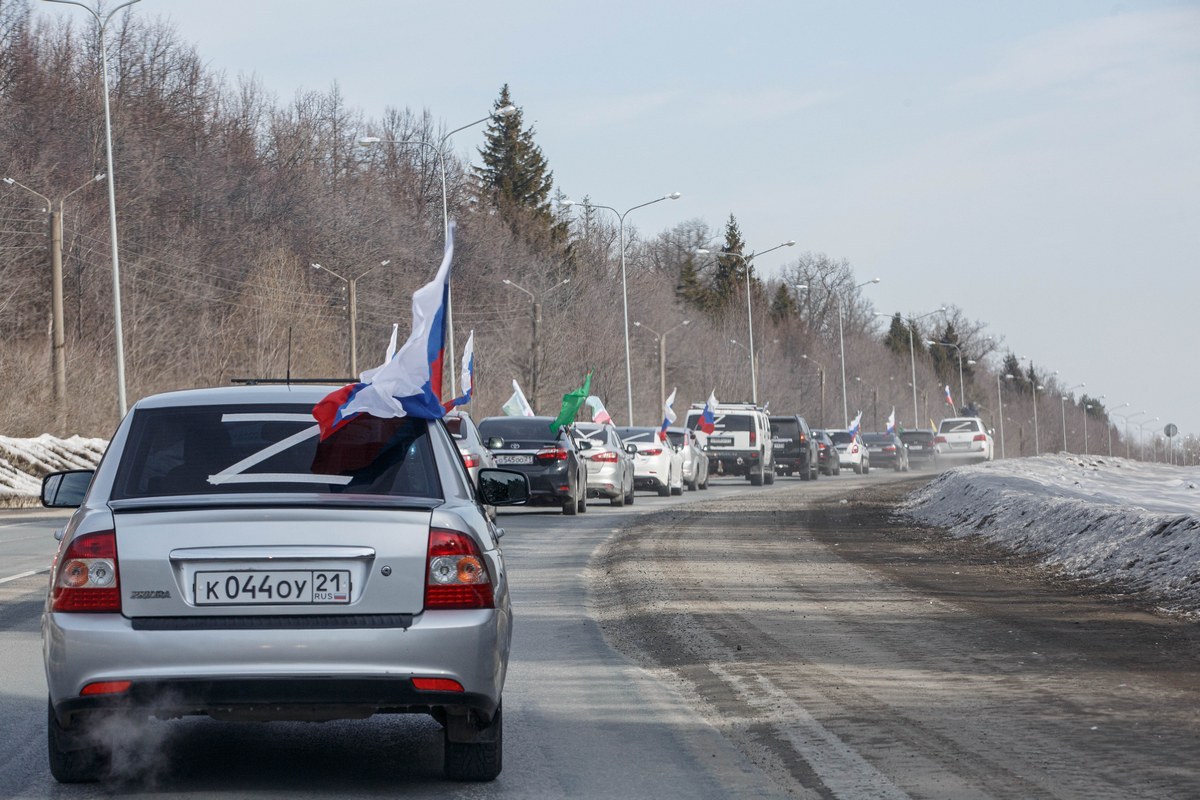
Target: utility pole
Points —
{"points": [[536, 348]]}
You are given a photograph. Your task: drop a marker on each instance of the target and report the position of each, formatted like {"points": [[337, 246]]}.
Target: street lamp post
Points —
{"points": [[821, 381], [118, 334], [912, 355], [58, 341], [1086, 408], [352, 307], [535, 347], [1109, 427], [962, 392], [1000, 406], [624, 283], [439, 148], [1141, 426], [749, 306], [1126, 420], [662, 355], [1064, 411], [842, 351]]}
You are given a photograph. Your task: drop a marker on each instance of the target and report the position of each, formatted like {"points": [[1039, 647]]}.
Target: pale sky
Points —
{"points": [[1035, 163]]}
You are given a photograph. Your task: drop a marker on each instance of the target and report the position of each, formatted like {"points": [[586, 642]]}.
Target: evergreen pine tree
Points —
{"points": [[896, 339], [514, 175], [730, 273], [782, 305]]}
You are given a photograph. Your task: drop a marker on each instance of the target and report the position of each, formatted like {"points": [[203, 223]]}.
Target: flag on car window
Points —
{"points": [[949, 399], [668, 415], [468, 375], [708, 418], [600, 414], [891, 421], [410, 382], [855, 423], [571, 403], [517, 405]]}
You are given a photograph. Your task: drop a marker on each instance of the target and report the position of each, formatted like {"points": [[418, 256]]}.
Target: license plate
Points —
{"points": [[780, 445], [518, 459], [274, 587], [721, 441]]}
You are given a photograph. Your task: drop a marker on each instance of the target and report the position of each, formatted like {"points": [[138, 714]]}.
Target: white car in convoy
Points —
{"points": [[657, 466], [963, 438], [852, 453]]}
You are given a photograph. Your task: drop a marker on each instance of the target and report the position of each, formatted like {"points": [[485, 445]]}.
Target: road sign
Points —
{"points": [[1171, 430]]}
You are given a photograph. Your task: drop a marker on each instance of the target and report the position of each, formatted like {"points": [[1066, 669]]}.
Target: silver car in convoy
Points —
{"points": [[695, 460], [610, 463], [475, 453], [224, 561], [657, 466]]}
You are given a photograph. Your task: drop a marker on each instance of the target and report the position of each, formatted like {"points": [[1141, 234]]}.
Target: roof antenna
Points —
{"points": [[289, 357]]}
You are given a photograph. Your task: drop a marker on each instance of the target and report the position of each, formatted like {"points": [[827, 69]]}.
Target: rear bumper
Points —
{"points": [[733, 462], [604, 481], [268, 673]]}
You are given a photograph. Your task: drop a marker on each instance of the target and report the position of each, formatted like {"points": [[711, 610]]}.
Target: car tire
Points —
{"points": [[704, 485], [756, 478], [805, 474], [84, 765], [858, 468], [693, 484], [617, 500], [629, 496], [664, 491], [475, 761], [769, 477], [571, 506], [583, 502]]}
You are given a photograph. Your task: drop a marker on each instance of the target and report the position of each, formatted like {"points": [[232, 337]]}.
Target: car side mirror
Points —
{"points": [[631, 448], [503, 487], [584, 444], [494, 443], [66, 489]]}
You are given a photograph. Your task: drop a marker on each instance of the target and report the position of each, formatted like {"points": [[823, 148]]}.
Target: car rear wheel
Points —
{"points": [[756, 478], [571, 506], [805, 475], [617, 500], [479, 760], [74, 765], [664, 491], [858, 468]]}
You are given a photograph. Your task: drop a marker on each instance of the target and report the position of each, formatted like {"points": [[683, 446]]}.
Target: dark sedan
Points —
{"points": [[551, 460], [887, 451], [921, 448], [827, 458]]}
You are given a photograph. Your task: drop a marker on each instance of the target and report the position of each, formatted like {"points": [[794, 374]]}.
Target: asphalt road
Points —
{"points": [[785, 641]]}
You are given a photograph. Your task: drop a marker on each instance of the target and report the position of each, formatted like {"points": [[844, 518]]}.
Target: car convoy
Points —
{"points": [[226, 560]]}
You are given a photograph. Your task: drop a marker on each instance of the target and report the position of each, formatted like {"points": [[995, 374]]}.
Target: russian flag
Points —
{"points": [[949, 399], [668, 415], [708, 418], [468, 375], [856, 423], [891, 421], [410, 382]]}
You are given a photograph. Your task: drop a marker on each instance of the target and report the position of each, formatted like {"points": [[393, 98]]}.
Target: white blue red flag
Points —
{"points": [[708, 417], [409, 384], [517, 405], [668, 415], [855, 423], [467, 376], [949, 399], [600, 414], [891, 421]]}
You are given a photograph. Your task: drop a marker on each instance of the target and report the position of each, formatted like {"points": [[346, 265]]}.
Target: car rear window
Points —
{"points": [[677, 438], [916, 436], [959, 426], [877, 438], [841, 437], [255, 449], [638, 434], [454, 425], [513, 429], [785, 428]]}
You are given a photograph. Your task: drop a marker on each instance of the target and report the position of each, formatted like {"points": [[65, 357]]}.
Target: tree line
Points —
{"points": [[226, 195]]}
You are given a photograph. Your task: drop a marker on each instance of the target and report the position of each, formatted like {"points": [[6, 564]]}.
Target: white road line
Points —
{"points": [[24, 574]]}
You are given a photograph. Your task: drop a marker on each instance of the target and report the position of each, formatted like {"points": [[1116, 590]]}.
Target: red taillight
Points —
{"points": [[853, 448], [940, 440], [437, 685], [87, 578], [457, 576], [106, 687], [979, 437], [552, 454], [653, 451], [753, 438], [891, 448], [607, 456], [470, 460], [820, 445]]}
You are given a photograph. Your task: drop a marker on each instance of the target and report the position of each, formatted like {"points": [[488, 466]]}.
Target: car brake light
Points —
{"points": [[891, 448], [608, 456], [87, 578], [470, 460], [653, 451], [940, 440], [106, 687], [437, 685], [753, 438], [853, 448], [457, 574], [551, 454], [979, 437]]}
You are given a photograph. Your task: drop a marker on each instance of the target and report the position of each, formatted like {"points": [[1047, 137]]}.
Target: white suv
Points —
{"points": [[741, 442], [964, 438]]}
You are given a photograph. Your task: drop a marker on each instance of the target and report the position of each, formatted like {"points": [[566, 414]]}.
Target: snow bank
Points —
{"points": [[23, 463], [1108, 519]]}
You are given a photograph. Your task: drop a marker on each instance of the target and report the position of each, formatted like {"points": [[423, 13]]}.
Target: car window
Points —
{"points": [[256, 449], [455, 426], [841, 437], [677, 438], [959, 426], [785, 428], [915, 436], [638, 434], [877, 438]]}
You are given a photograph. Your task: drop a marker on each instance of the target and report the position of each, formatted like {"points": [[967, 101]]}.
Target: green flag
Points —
{"points": [[571, 403]]}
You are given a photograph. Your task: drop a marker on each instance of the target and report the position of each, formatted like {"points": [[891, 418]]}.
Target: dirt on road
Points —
{"points": [[853, 654]]}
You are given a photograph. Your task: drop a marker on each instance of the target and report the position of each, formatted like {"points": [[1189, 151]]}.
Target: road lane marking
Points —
{"points": [[20, 575]]}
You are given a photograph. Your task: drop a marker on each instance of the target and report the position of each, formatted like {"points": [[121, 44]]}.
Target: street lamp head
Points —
{"points": [[699, 251], [507, 111], [315, 265], [385, 262], [637, 324], [873, 280], [673, 196], [100, 177], [971, 362], [565, 281], [368, 140], [790, 243], [687, 322], [566, 202], [9, 181], [505, 281]]}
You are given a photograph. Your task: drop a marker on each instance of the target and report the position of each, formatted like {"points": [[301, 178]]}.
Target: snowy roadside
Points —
{"points": [[23, 462], [1107, 519]]}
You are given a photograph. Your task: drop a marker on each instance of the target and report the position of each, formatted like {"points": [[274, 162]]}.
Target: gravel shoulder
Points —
{"points": [[850, 653]]}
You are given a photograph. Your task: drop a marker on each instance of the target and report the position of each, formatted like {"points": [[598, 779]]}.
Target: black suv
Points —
{"points": [[795, 447]]}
